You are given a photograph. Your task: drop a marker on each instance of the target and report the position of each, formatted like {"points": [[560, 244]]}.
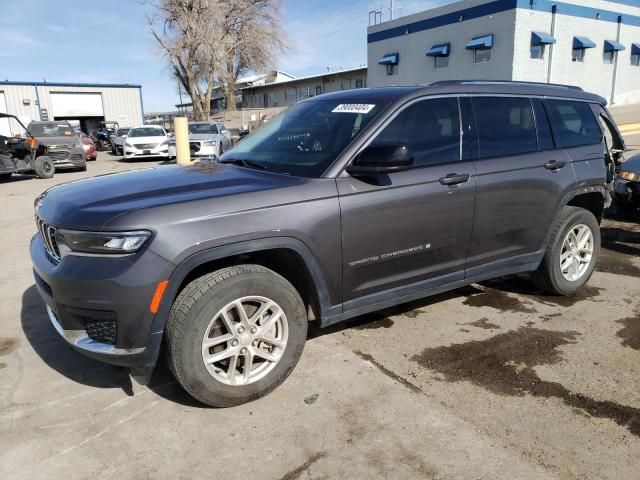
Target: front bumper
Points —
{"points": [[80, 291], [626, 191], [200, 151], [160, 152]]}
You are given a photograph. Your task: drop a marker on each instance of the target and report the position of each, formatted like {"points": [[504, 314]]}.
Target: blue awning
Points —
{"points": [[635, 48], [439, 50], [480, 42], [541, 38], [389, 59], [612, 46], [583, 42]]}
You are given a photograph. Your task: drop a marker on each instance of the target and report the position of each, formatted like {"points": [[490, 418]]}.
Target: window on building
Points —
{"points": [[319, 90], [573, 123], [481, 55], [289, 93], [429, 128], [635, 59], [577, 55], [359, 83], [392, 69], [505, 126], [608, 56], [441, 61], [537, 51]]}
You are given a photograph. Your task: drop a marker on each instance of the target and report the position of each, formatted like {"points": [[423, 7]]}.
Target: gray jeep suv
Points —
{"points": [[344, 204]]}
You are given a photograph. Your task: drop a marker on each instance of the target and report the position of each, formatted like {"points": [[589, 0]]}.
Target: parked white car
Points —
{"points": [[117, 140], [206, 139], [146, 141]]}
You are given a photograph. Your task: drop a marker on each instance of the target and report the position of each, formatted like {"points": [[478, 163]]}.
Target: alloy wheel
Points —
{"points": [[576, 253]]}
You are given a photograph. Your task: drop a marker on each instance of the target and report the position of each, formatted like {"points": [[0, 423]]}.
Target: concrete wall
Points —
{"points": [[120, 104], [511, 57], [416, 68]]}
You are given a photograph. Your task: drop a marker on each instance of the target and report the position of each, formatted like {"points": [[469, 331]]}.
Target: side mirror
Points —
{"points": [[379, 159]]}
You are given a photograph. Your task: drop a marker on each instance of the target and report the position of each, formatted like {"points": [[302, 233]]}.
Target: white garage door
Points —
{"points": [[76, 105], [4, 122]]}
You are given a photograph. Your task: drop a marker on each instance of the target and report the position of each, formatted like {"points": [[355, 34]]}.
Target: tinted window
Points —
{"points": [[306, 138], [505, 126], [545, 139], [573, 123], [430, 129], [203, 128]]}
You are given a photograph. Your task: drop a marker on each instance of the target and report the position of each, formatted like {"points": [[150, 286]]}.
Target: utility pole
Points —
{"points": [[392, 9]]}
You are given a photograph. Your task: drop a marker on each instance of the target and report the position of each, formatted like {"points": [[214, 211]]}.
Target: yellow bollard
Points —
{"points": [[181, 132]]}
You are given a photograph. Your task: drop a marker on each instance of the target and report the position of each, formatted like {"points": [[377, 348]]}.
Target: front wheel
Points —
{"points": [[234, 335], [44, 167], [572, 253]]}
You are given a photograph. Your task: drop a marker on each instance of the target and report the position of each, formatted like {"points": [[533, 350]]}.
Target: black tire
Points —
{"points": [[44, 167], [199, 303], [549, 276], [5, 176]]}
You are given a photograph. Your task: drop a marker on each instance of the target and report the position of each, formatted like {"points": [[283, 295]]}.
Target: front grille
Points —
{"points": [[48, 234], [146, 146], [58, 155], [101, 331], [76, 157]]}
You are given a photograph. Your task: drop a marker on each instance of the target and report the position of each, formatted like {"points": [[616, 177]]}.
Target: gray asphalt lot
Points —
{"points": [[492, 381]]}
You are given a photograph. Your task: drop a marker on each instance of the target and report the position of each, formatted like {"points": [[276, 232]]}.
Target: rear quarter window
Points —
{"points": [[505, 126], [573, 123]]}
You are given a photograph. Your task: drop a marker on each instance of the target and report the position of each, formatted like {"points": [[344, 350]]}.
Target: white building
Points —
{"points": [[590, 43], [89, 104]]}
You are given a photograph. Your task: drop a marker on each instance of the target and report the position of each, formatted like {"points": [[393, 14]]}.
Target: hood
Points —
{"points": [[48, 141], [91, 203], [139, 140], [631, 164], [204, 136]]}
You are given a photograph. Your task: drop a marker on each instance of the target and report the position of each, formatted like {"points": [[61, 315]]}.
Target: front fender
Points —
{"points": [[193, 261]]}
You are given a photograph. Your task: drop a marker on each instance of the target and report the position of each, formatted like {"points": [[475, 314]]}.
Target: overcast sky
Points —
{"points": [[108, 41]]}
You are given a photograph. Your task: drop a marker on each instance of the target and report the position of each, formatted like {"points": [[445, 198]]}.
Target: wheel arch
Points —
{"points": [[287, 256]]}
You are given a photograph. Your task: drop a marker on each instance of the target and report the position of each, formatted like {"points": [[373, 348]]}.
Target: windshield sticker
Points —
{"points": [[353, 108]]}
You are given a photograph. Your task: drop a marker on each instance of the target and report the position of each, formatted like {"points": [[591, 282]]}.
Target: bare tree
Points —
{"points": [[209, 43]]}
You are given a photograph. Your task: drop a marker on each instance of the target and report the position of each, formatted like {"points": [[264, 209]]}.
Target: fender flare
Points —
{"points": [[187, 265], [568, 196]]}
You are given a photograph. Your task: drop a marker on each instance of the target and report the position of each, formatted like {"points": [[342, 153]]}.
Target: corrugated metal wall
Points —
{"points": [[120, 104]]}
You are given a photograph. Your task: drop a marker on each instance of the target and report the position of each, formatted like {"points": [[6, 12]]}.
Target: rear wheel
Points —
{"points": [[234, 335], [572, 253], [44, 167]]}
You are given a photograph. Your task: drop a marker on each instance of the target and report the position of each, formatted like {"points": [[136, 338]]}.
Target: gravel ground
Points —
{"points": [[492, 381]]}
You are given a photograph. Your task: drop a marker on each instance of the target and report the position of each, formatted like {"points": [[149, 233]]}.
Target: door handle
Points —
{"points": [[455, 179], [554, 164]]}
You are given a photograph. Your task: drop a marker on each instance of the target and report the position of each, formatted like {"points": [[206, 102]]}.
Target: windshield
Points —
{"points": [[146, 132], [305, 139], [121, 132], [203, 128], [51, 129]]}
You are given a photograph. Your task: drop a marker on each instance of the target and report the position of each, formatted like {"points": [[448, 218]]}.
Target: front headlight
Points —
{"points": [[210, 143], [632, 177], [101, 243], [165, 142], [127, 144]]}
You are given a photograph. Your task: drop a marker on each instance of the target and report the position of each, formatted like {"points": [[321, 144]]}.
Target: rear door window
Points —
{"points": [[573, 123], [429, 128], [505, 126]]}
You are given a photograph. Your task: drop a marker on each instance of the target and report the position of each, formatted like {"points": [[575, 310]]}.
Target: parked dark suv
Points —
{"points": [[346, 203]]}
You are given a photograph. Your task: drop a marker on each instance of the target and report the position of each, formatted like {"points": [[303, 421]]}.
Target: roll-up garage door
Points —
{"points": [[5, 130], [66, 105]]}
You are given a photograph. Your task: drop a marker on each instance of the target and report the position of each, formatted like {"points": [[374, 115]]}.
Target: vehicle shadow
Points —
{"points": [[58, 355], [379, 318]]}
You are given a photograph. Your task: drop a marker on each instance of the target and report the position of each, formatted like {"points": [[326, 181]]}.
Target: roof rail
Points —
{"points": [[503, 82]]}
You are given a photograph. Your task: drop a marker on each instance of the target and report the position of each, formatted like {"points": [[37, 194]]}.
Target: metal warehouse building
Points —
{"points": [[89, 104], [590, 43]]}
